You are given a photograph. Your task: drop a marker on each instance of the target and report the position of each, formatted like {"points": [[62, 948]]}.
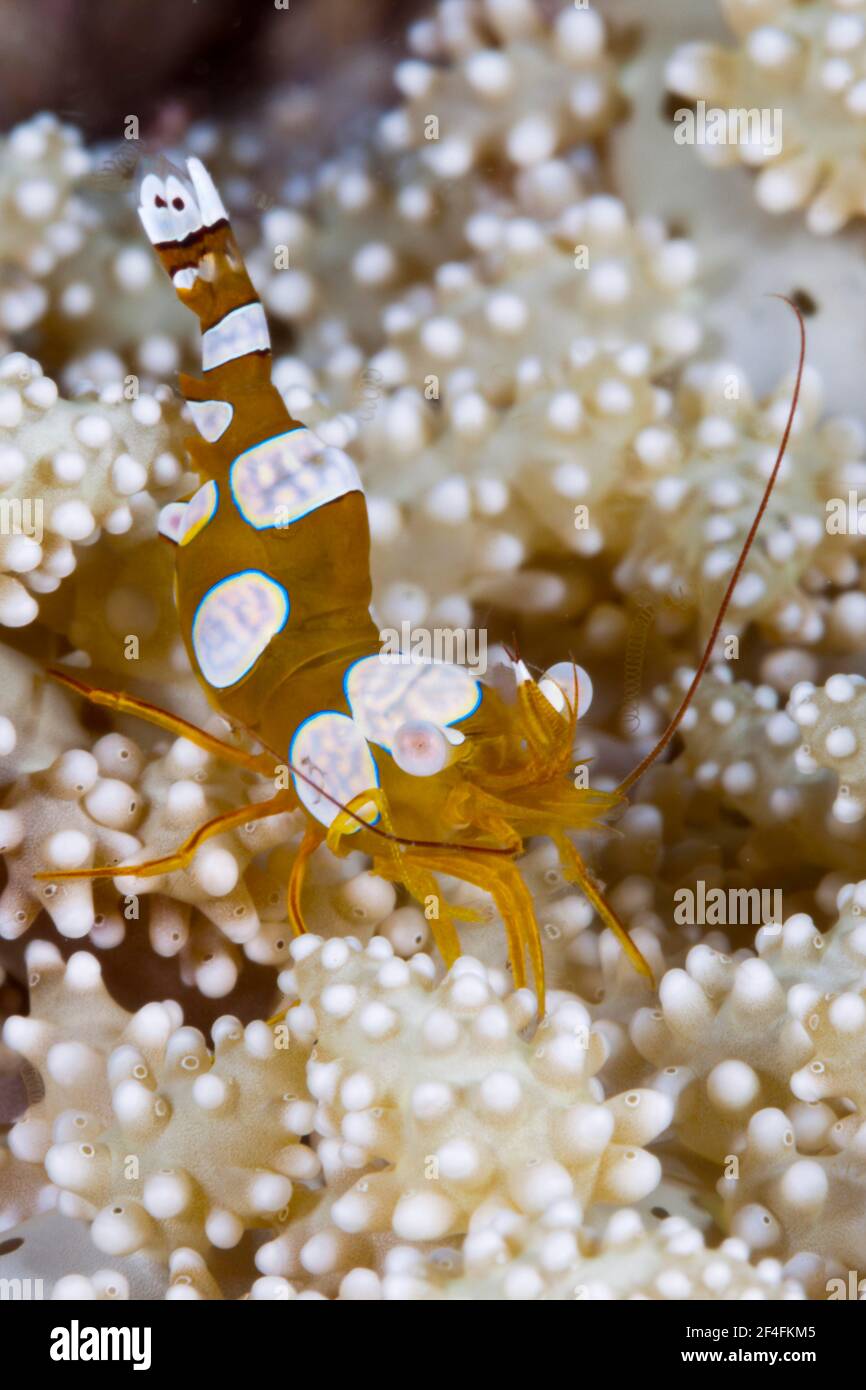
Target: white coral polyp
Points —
{"points": [[436, 1081], [812, 59], [145, 1133], [67, 471]]}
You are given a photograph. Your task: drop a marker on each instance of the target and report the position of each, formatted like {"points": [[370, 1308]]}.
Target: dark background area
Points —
{"points": [[93, 62]]}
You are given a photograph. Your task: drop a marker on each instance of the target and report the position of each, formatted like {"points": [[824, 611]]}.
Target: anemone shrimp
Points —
{"points": [[420, 765]]}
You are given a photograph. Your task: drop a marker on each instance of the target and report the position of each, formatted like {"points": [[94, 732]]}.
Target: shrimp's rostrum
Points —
{"points": [[418, 764]]}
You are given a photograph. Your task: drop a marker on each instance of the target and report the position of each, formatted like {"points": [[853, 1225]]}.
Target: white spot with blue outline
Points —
{"points": [[234, 623], [283, 479], [330, 749], [383, 694]]}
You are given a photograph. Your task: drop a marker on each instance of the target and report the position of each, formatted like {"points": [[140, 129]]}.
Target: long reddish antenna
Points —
{"points": [[672, 727]]}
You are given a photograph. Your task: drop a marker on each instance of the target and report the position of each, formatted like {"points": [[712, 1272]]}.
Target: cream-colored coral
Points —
{"points": [[42, 222], [742, 752], [494, 93], [515, 385], [596, 272], [71, 471], [815, 963], [508, 1257], [72, 268], [792, 1204], [803, 66], [436, 1081], [160, 1145], [724, 1045], [61, 818], [494, 80], [145, 1133], [831, 720], [835, 1025], [114, 805], [511, 1257], [711, 462], [37, 721]]}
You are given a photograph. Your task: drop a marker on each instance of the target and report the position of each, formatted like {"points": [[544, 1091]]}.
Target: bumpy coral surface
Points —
{"points": [[804, 65], [532, 351]]}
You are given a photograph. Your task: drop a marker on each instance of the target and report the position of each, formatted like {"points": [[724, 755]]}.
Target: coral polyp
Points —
{"points": [[433, 704]]}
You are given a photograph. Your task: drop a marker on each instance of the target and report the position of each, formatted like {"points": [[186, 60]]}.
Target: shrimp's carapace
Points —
{"points": [[418, 764]]}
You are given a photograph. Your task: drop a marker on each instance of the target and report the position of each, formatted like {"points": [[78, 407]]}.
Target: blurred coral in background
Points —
{"points": [[539, 326]]}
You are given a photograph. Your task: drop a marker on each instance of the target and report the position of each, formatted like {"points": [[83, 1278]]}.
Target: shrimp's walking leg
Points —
{"points": [[503, 882], [180, 858], [400, 867], [576, 870], [172, 723], [310, 843], [533, 822]]}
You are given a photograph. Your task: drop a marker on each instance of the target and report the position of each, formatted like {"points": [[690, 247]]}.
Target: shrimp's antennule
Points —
{"points": [[704, 662]]}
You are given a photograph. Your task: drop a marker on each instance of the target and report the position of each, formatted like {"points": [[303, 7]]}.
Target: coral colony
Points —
{"points": [[432, 731]]}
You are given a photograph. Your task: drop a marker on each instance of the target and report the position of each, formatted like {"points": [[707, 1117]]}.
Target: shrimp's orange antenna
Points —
{"points": [[675, 722]]}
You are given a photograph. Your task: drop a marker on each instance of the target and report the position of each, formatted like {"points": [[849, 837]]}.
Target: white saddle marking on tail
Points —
{"points": [[211, 418], [172, 209], [241, 331]]}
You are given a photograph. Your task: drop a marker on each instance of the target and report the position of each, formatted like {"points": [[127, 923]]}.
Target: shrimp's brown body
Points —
{"points": [[418, 764]]}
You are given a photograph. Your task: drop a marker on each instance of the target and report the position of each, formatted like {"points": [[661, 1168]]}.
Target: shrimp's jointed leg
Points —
{"points": [[310, 843], [557, 812], [172, 723], [402, 866], [181, 857], [501, 879], [575, 869]]}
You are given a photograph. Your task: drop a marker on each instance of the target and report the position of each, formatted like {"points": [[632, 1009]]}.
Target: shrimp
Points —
{"points": [[418, 764]]}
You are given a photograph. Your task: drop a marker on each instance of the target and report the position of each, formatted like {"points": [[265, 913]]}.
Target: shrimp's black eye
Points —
{"points": [[160, 202], [177, 203]]}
